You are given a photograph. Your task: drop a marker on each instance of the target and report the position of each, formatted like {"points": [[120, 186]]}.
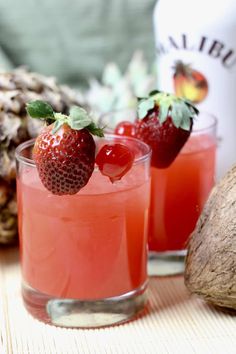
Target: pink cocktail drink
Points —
{"points": [[179, 193], [89, 246]]}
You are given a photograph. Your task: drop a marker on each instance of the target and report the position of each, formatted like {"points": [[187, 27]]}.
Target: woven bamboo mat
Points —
{"points": [[174, 323]]}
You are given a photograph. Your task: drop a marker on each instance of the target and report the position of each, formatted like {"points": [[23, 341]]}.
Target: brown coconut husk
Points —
{"points": [[211, 257]]}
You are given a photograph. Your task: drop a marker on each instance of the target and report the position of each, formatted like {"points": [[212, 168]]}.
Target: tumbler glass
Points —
{"points": [[178, 193], [83, 256]]}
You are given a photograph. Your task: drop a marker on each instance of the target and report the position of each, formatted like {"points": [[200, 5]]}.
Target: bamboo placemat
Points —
{"points": [[174, 323]]}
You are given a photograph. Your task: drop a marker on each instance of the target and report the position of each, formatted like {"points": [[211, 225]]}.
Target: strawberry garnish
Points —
{"points": [[114, 161], [64, 152], [165, 124]]}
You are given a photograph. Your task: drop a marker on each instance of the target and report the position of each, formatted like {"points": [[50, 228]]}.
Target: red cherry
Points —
{"points": [[125, 128], [114, 161]]}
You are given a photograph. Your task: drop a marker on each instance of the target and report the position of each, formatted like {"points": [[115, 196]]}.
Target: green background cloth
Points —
{"points": [[73, 39]]}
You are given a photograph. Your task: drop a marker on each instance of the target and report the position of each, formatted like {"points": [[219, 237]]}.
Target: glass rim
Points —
{"points": [[30, 162], [212, 125]]}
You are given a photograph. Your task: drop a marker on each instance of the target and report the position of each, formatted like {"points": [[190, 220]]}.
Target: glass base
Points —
{"points": [[76, 313], [166, 263]]}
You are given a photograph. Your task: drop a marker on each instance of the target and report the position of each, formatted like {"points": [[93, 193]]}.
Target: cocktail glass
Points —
{"points": [[83, 256], [178, 193]]}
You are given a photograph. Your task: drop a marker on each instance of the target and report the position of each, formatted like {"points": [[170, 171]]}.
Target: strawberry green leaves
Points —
{"points": [[39, 109], [181, 111], [163, 112], [78, 117], [92, 127], [145, 105]]}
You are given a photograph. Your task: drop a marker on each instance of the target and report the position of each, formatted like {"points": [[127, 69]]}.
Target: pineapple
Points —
{"points": [[16, 89], [119, 90]]}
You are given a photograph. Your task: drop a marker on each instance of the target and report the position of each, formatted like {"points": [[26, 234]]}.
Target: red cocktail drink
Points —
{"points": [[179, 193], [86, 250]]}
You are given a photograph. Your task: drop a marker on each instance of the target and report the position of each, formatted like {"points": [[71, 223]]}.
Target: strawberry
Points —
{"points": [[64, 152], [114, 161], [165, 124]]}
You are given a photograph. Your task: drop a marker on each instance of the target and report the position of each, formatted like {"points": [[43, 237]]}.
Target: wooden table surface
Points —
{"points": [[174, 322]]}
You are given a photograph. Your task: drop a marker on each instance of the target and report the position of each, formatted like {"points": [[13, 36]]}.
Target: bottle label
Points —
{"points": [[214, 48], [203, 69]]}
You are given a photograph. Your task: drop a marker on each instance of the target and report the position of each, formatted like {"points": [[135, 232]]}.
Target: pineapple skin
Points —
{"points": [[16, 89]]}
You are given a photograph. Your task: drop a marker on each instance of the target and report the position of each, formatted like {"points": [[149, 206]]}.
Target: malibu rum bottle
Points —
{"points": [[196, 59]]}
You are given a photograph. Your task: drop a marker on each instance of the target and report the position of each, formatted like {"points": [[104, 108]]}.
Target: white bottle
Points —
{"points": [[196, 58]]}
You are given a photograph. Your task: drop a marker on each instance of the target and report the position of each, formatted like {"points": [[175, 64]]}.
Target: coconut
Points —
{"points": [[211, 256]]}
